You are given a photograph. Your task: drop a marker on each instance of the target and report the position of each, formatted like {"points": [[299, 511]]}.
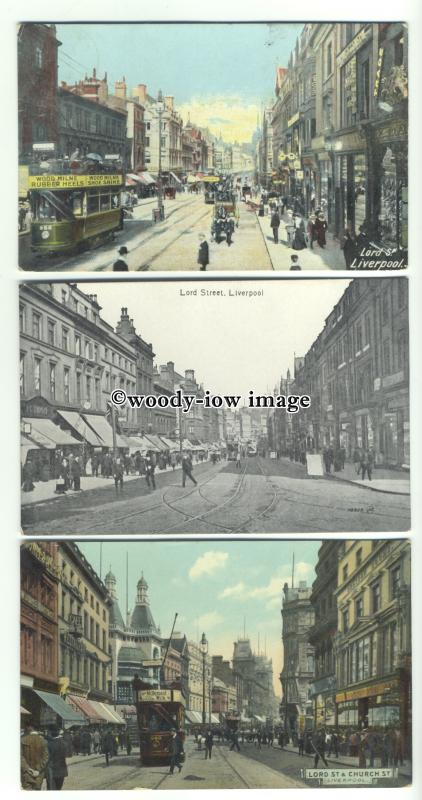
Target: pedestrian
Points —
{"points": [[187, 469], [27, 476], [150, 470], [366, 464], [318, 744], [299, 239], [333, 747], [34, 759], [76, 472], [128, 744], [118, 472], [229, 230], [176, 751], [235, 741], [203, 253], [301, 743], [348, 245], [57, 769], [311, 231], [362, 240], [96, 740], [209, 741], [275, 224], [327, 459], [95, 465], [64, 474], [238, 460], [121, 265], [86, 743], [320, 227], [108, 746], [294, 263]]}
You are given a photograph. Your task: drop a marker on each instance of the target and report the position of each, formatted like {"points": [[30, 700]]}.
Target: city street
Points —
{"points": [[226, 770], [268, 768], [264, 496], [173, 243]]}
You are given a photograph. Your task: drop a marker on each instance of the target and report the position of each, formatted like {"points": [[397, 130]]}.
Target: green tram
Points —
{"points": [[75, 205]]}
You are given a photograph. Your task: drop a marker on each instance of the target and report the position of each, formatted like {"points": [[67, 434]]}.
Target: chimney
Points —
{"points": [[120, 88], [140, 91], [190, 375], [169, 102]]}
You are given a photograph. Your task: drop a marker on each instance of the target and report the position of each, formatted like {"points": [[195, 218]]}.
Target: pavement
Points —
{"points": [[314, 258], [390, 481]]}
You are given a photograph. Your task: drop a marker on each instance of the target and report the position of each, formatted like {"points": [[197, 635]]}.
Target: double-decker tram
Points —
{"points": [[75, 204], [160, 713]]}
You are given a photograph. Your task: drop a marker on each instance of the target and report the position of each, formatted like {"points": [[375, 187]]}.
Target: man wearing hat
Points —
{"points": [[120, 265]]}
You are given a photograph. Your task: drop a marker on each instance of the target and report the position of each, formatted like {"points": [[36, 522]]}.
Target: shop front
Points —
{"points": [[50, 443], [322, 693], [376, 706], [351, 186]]}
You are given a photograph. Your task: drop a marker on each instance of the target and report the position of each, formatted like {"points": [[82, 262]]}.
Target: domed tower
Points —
{"points": [[142, 618], [116, 618]]}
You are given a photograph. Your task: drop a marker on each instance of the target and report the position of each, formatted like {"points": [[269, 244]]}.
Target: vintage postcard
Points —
{"points": [[186, 665], [215, 406], [249, 146]]}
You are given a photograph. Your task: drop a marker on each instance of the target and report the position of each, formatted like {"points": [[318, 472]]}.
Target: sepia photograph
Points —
{"points": [[190, 665], [248, 146], [165, 407]]}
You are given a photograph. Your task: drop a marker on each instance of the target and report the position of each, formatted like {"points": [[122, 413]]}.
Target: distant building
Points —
{"points": [[37, 88]]}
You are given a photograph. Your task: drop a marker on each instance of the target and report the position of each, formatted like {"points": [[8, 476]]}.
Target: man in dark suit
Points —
{"points": [[203, 252], [120, 265]]}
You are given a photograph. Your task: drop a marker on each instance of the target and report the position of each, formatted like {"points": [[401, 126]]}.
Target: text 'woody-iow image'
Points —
{"points": [[230, 665], [132, 161], [215, 407]]}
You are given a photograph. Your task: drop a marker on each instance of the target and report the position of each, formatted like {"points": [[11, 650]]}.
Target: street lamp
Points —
{"points": [[204, 650], [160, 109]]}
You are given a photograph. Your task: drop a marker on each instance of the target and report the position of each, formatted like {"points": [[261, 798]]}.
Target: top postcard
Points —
{"points": [[213, 146]]}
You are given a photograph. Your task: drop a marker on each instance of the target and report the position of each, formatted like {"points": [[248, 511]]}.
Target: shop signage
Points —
{"points": [[37, 407], [159, 696], [73, 181], [395, 131], [297, 164], [359, 40], [44, 147], [369, 567], [299, 174], [282, 156], [350, 91], [293, 119], [379, 71], [366, 691]]}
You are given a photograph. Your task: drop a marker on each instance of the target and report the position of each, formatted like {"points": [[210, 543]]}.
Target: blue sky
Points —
{"points": [[213, 585], [202, 65]]}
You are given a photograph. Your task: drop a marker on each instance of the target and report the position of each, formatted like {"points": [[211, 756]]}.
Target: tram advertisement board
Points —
{"points": [[73, 181]]}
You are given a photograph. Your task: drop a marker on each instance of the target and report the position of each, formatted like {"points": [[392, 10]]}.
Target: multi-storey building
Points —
{"points": [[266, 150], [161, 119], [83, 618], [87, 125], [143, 420], [322, 634], [165, 419], [70, 361], [373, 643], [198, 679], [135, 128], [37, 89], [296, 677], [256, 685], [136, 646], [340, 126], [357, 374]]}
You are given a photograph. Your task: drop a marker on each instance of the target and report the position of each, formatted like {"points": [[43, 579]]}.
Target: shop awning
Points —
{"points": [[62, 709], [187, 445], [195, 717], [107, 714], [128, 711], [45, 433], [146, 178], [80, 426], [170, 445], [192, 179], [175, 177], [214, 719], [133, 177], [104, 430], [260, 719], [156, 442], [25, 711], [26, 446], [83, 705]]}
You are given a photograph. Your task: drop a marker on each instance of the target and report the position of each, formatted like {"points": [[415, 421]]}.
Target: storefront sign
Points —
{"points": [[159, 696], [73, 181], [354, 46], [37, 407], [366, 691], [393, 132], [293, 119], [379, 71]]}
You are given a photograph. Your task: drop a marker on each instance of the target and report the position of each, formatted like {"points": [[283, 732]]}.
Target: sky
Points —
{"points": [[234, 344], [215, 587], [222, 74]]}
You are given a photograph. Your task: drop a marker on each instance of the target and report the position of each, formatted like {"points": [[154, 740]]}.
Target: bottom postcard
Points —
{"points": [[240, 664]]}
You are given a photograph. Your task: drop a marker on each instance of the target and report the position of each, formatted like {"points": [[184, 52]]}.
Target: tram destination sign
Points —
{"points": [[159, 696], [73, 181]]}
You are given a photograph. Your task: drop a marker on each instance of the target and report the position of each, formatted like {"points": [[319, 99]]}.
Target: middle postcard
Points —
{"points": [[207, 407]]}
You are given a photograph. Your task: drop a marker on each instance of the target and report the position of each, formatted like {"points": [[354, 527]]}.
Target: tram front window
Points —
{"points": [[44, 211], [157, 722]]}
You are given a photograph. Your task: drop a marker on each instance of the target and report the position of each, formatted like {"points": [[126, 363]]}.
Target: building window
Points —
{"points": [[78, 387], [66, 388], [38, 57], [386, 357], [329, 61], [395, 574], [37, 374], [53, 381], [77, 345], [358, 557], [367, 324], [51, 332], [358, 337], [22, 319], [345, 572], [376, 597], [88, 388], [22, 373], [65, 339], [345, 620], [359, 608], [36, 325]]}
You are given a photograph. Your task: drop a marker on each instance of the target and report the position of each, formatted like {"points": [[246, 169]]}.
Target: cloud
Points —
{"points": [[237, 116], [210, 620], [208, 564], [271, 591]]}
